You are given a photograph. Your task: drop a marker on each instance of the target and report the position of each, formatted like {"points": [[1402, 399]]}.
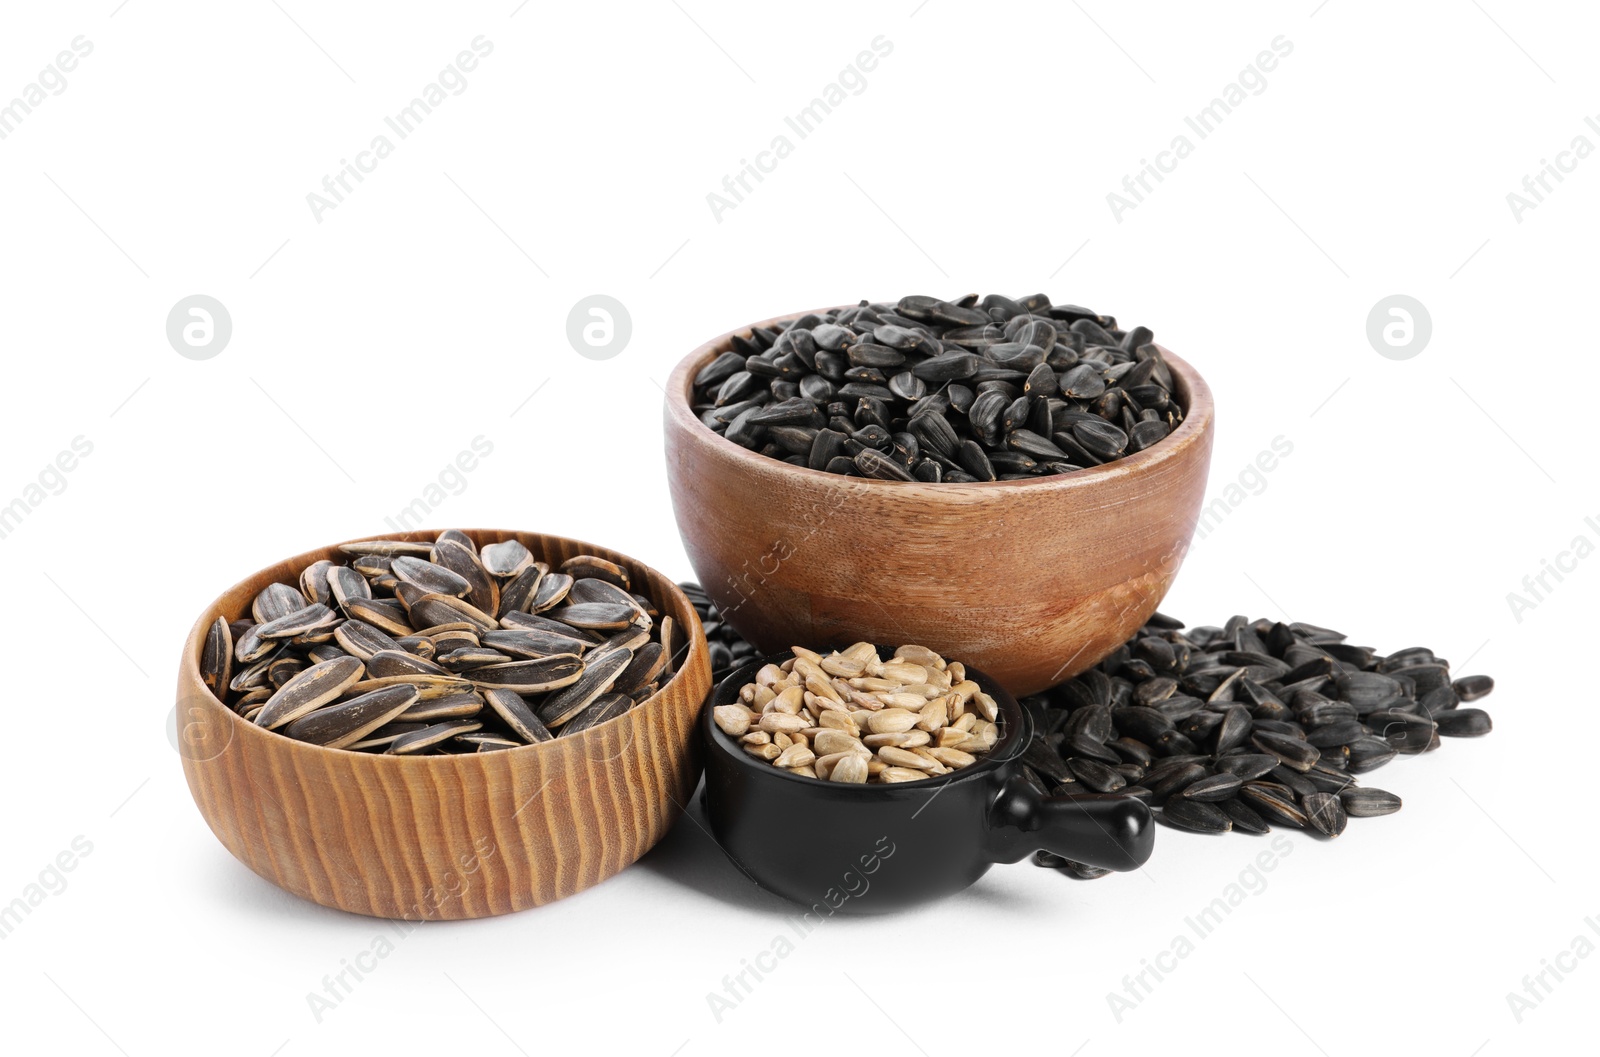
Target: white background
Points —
{"points": [[430, 307]]}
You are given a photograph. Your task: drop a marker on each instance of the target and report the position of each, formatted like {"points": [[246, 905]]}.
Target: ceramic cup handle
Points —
{"points": [[1105, 830]]}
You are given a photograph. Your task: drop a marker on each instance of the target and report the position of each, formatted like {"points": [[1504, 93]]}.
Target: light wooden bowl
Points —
{"points": [[1030, 581], [445, 837]]}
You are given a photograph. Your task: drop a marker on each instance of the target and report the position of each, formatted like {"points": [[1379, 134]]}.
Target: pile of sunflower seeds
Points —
{"points": [[932, 390], [850, 716], [442, 647], [728, 648], [1253, 724]]}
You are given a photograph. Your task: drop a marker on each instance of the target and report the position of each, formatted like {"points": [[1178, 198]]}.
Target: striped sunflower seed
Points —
{"points": [[216, 658], [343, 724], [609, 706], [407, 636], [515, 713], [427, 737], [483, 590], [309, 690], [589, 682], [507, 559], [434, 579]]}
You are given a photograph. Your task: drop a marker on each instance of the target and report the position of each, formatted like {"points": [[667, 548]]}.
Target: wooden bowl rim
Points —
{"points": [[1196, 423], [191, 686]]}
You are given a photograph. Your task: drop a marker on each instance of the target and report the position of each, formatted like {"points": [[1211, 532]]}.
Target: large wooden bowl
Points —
{"points": [[1030, 581], [445, 837]]}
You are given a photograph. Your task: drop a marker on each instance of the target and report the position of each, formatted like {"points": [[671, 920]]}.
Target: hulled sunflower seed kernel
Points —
{"points": [[733, 719], [883, 720]]}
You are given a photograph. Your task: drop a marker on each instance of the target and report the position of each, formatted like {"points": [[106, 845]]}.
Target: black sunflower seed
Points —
{"points": [[1325, 813], [1216, 787], [1271, 806], [1363, 802], [1195, 816], [1244, 818], [1407, 732], [1247, 765], [1463, 723], [1290, 750]]}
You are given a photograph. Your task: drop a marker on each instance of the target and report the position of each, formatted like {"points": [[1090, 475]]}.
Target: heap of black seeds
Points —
{"points": [[942, 391], [1240, 727]]}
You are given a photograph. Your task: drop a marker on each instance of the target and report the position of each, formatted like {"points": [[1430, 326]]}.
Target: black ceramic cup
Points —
{"points": [[872, 849]]}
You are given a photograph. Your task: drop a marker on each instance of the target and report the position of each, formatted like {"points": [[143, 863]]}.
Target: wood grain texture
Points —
{"points": [[445, 837], [1031, 581]]}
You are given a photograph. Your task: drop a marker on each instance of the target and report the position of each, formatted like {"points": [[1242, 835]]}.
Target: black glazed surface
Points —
{"points": [[870, 849]]}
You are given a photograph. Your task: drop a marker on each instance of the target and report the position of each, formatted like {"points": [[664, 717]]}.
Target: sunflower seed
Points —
{"points": [[481, 741], [309, 690], [1325, 813], [1291, 751], [1163, 785], [1463, 723], [1364, 802], [1244, 818], [434, 608], [597, 616], [346, 585], [483, 591], [516, 714], [1272, 807], [1217, 787], [314, 582], [588, 683], [382, 613], [466, 658], [591, 566], [340, 725], [285, 667], [534, 642], [434, 579], [300, 622], [360, 639], [408, 744], [648, 661], [1368, 754], [518, 595], [1407, 732], [505, 559], [540, 675], [850, 768], [386, 548], [385, 663], [385, 735], [276, 601], [216, 658], [1096, 775], [1247, 765], [602, 708], [1196, 816], [458, 704]]}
